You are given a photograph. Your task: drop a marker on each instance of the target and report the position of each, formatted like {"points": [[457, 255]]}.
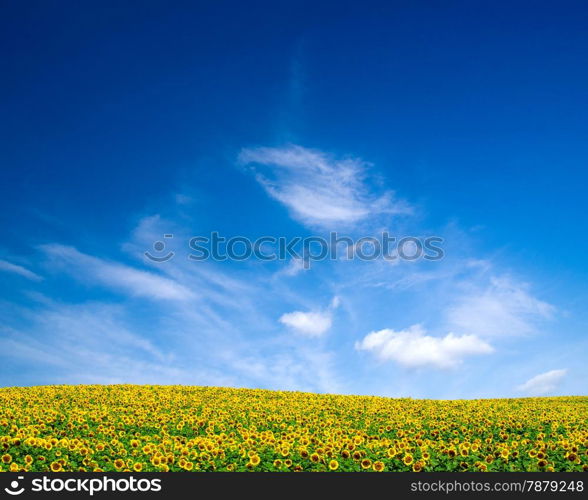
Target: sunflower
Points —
{"points": [[56, 467], [408, 459], [333, 465], [378, 466], [366, 463]]}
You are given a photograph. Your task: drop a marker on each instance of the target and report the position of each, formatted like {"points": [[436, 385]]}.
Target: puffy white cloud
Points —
{"points": [[320, 191], [543, 384], [311, 323], [20, 270], [504, 308], [413, 348]]}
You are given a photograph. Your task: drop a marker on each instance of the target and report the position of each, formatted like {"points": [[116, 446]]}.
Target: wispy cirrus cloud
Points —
{"points": [[319, 190], [543, 384], [505, 307], [115, 275], [9, 267], [94, 342], [97, 342], [208, 324], [413, 348], [295, 266]]}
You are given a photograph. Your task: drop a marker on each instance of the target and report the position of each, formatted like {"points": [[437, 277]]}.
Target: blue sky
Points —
{"points": [[465, 120]]}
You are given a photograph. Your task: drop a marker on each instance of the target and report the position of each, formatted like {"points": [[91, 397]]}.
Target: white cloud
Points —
{"points": [[503, 308], [20, 270], [319, 191], [94, 342], [414, 348], [543, 383], [183, 199], [295, 266], [311, 323], [118, 276], [294, 367], [97, 343]]}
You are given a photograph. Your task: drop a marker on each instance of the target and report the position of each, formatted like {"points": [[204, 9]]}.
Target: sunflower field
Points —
{"points": [[179, 428]]}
